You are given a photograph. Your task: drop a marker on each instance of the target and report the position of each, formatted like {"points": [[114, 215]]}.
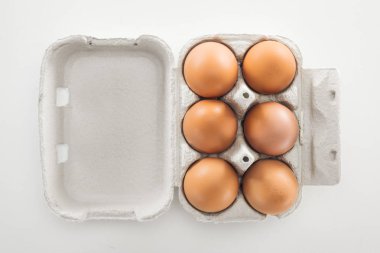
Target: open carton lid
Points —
{"points": [[110, 127]]}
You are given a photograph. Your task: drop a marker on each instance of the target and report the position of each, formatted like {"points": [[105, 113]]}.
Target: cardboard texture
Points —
{"points": [[110, 115]]}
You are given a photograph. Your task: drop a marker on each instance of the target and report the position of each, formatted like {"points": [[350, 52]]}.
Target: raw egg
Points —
{"points": [[211, 185], [269, 67], [271, 128], [210, 126], [210, 69], [270, 187]]}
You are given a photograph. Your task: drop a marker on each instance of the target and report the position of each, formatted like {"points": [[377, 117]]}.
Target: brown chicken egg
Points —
{"points": [[271, 128], [211, 185], [210, 69], [210, 126], [270, 187], [269, 67]]}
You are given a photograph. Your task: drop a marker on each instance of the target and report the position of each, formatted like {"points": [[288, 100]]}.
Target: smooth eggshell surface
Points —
{"points": [[269, 67], [271, 128], [210, 126], [210, 69], [270, 187], [211, 185]]}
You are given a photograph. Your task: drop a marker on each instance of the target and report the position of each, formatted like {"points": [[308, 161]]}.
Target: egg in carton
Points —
{"points": [[110, 113], [241, 98]]}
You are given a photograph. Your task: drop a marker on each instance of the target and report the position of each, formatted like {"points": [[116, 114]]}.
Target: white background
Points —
{"points": [[341, 34]]}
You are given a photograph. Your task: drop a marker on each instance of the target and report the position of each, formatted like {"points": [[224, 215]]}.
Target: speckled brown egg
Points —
{"points": [[271, 128], [210, 126], [270, 187], [210, 69], [211, 185], [269, 67]]}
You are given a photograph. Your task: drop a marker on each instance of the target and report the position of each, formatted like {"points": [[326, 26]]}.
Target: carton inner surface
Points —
{"points": [[114, 126]]}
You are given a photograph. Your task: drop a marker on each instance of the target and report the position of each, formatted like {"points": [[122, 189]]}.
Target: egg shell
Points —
{"points": [[269, 67], [210, 69], [211, 185], [210, 126], [270, 186], [271, 128]]}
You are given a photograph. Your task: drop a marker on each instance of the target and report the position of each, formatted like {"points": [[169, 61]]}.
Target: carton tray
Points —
{"points": [[110, 115]]}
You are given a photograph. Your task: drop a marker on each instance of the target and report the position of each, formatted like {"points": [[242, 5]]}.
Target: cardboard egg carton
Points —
{"points": [[110, 114]]}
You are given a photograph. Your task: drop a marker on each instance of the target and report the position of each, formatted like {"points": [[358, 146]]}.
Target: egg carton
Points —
{"points": [[110, 113]]}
